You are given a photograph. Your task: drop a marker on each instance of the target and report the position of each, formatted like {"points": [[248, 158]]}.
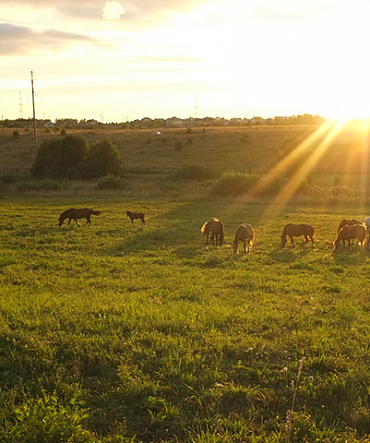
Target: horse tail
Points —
{"points": [[312, 232], [203, 228], [221, 233], [97, 213], [251, 241]]}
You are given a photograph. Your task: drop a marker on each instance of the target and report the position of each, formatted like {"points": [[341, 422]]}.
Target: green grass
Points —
{"points": [[115, 333]]}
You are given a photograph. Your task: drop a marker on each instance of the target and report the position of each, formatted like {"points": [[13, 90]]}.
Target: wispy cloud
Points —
{"points": [[18, 40]]}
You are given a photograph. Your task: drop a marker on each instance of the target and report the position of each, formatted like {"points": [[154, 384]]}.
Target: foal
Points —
{"points": [[135, 215]]}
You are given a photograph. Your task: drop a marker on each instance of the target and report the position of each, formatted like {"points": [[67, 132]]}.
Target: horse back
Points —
{"points": [[349, 232], [346, 222], [244, 232]]}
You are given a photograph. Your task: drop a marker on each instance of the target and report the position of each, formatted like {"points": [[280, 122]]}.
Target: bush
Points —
{"points": [[110, 182], [178, 145], [71, 157], [39, 185], [234, 183], [102, 160], [192, 172]]}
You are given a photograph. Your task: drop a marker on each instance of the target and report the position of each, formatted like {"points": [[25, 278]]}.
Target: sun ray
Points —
{"points": [[286, 194], [288, 161]]}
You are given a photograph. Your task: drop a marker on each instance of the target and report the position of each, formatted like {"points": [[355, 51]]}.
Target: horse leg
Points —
{"points": [[245, 245], [142, 221], [306, 241], [292, 244], [88, 221], [76, 222]]}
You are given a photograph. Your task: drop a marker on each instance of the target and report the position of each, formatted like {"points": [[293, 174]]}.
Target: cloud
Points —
{"points": [[113, 10], [142, 11], [18, 40]]}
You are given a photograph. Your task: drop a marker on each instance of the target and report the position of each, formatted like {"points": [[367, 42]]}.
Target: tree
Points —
{"points": [[57, 157], [71, 157], [103, 159]]}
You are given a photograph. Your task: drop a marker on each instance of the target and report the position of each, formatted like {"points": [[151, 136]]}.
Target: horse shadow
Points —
{"points": [[289, 255], [350, 257]]}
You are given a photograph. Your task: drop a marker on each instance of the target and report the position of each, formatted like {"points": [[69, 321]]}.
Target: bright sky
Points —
{"points": [[117, 59]]}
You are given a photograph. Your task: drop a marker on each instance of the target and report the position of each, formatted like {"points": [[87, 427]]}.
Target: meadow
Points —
{"points": [[121, 333]]}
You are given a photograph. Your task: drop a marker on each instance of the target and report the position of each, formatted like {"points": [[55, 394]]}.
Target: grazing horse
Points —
{"points": [[291, 230], [135, 215], [214, 228], [367, 225], [244, 233], [345, 222], [74, 214], [348, 233]]}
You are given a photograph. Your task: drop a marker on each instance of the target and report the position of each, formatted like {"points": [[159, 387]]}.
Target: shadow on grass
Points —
{"points": [[352, 257], [284, 255]]}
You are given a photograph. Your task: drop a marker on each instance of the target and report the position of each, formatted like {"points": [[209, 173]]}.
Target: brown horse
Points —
{"points": [[244, 233], [135, 215], [345, 222], [348, 233], [74, 214], [214, 228], [291, 230]]}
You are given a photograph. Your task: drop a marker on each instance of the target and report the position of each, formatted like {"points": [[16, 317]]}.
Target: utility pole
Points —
{"points": [[33, 107]]}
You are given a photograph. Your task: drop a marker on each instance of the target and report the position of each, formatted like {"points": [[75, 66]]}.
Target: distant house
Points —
{"points": [[91, 122], [147, 122], [175, 122], [49, 124]]}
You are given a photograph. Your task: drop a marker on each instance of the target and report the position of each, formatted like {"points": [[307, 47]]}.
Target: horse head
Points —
{"points": [[283, 240]]}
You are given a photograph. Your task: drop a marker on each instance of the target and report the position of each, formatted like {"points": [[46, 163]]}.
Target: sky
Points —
{"points": [[120, 60]]}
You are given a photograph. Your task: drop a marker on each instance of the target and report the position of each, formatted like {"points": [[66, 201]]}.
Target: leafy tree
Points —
{"points": [[71, 157], [103, 159], [56, 157], [45, 163]]}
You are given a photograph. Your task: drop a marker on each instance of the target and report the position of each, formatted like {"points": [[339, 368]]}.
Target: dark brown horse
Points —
{"points": [[214, 229], [351, 222], [348, 233], [74, 214], [244, 233], [292, 230], [135, 215]]}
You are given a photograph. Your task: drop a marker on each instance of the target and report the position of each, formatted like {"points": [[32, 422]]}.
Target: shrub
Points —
{"points": [[38, 185], [233, 183], [71, 157], [103, 159], [110, 182], [178, 145], [192, 172]]}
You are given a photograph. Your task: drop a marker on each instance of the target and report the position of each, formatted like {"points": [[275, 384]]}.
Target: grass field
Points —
{"points": [[120, 333]]}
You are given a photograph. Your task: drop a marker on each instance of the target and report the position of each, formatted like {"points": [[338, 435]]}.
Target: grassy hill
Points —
{"points": [[150, 163]]}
